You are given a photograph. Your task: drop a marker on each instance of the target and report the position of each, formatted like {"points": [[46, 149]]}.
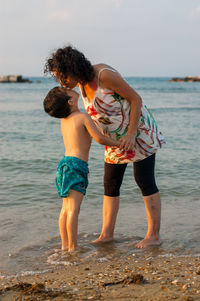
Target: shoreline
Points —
{"points": [[131, 278]]}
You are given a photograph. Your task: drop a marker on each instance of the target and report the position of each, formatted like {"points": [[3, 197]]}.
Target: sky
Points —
{"points": [[137, 37]]}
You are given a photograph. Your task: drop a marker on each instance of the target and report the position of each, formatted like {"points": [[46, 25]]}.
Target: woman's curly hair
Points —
{"points": [[67, 62]]}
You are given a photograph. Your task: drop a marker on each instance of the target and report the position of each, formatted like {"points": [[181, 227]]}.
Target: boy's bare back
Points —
{"points": [[78, 129], [76, 138]]}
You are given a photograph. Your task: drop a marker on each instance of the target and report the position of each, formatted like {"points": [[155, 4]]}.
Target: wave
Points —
{"points": [[179, 255], [175, 108], [39, 258], [23, 273], [17, 164]]}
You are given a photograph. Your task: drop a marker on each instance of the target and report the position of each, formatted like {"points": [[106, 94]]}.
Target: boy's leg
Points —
{"points": [[113, 176], [73, 207], [63, 225]]}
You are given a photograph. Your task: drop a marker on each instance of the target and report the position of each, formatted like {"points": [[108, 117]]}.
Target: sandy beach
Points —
{"points": [[133, 278], [30, 241]]}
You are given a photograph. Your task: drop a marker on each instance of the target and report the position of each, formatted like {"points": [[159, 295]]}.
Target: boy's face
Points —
{"points": [[73, 94]]}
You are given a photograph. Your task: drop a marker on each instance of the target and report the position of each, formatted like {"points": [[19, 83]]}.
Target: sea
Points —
{"points": [[30, 149]]}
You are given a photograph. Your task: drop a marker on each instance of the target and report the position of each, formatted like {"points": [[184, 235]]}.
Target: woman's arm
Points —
{"points": [[114, 81], [96, 134]]}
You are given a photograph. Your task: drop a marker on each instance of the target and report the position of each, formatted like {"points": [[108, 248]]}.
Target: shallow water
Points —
{"points": [[31, 146]]}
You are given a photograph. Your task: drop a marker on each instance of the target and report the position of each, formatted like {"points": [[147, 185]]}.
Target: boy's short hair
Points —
{"points": [[56, 103]]}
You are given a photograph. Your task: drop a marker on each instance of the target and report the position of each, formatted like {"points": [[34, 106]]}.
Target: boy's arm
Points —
{"points": [[96, 134]]}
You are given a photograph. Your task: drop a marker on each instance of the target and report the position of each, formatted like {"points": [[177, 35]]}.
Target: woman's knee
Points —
{"points": [[145, 177], [111, 188], [147, 186], [113, 177]]}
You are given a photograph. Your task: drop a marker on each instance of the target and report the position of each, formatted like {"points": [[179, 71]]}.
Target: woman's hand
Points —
{"points": [[127, 142]]}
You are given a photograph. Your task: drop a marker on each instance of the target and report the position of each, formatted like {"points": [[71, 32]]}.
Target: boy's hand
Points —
{"points": [[127, 142]]}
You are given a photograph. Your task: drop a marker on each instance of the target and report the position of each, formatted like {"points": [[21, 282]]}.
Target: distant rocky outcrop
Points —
{"points": [[186, 79], [13, 79]]}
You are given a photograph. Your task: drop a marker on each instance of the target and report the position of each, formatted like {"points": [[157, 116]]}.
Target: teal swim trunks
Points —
{"points": [[72, 173]]}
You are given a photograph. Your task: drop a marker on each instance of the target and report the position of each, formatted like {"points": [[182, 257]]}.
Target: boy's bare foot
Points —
{"points": [[64, 248], [77, 249], [72, 250], [102, 240], [148, 242]]}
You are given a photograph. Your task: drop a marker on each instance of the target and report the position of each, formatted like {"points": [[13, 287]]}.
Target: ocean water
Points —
{"points": [[30, 149]]}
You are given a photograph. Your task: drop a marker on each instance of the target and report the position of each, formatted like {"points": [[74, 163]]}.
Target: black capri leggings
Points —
{"points": [[143, 174]]}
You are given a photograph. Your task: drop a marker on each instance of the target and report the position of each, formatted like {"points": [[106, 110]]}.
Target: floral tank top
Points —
{"points": [[110, 112]]}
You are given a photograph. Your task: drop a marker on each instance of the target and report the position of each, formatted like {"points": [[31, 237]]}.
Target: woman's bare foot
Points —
{"points": [[102, 240], [148, 242]]}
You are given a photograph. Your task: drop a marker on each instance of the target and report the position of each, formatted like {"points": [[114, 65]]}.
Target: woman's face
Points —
{"points": [[69, 82]]}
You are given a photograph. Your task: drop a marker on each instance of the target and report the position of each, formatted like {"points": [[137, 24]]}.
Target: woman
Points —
{"points": [[119, 112]]}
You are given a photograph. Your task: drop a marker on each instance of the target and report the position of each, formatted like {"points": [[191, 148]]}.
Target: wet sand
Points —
{"points": [[133, 278]]}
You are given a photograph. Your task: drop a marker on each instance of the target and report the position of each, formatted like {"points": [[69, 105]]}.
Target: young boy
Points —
{"points": [[71, 178]]}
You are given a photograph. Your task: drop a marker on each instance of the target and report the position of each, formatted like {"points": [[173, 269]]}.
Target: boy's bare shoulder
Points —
{"points": [[86, 115], [83, 115], [76, 115], [79, 119]]}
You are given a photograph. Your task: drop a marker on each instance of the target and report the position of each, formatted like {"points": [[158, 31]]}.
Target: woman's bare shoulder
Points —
{"points": [[105, 73], [101, 66]]}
